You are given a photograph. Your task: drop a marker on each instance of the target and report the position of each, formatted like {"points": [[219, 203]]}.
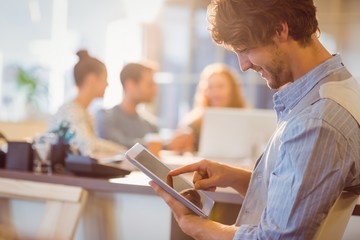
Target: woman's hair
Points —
{"points": [[85, 66], [249, 23], [194, 118], [236, 97]]}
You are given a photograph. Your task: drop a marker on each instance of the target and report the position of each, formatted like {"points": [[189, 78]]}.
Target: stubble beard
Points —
{"points": [[278, 73]]}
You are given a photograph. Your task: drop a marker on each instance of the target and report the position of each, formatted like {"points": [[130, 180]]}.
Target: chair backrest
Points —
{"points": [[334, 225], [62, 211]]}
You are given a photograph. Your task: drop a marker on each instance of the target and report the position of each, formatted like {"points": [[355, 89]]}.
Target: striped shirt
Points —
{"points": [[313, 155]]}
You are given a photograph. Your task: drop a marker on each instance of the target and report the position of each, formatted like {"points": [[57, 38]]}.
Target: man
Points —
{"points": [[315, 151], [122, 123]]}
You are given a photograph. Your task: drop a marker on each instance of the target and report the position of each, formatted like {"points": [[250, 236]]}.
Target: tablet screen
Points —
{"points": [[161, 171], [183, 187]]}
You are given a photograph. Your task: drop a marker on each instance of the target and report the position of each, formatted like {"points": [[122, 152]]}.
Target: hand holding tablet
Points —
{"points": [[196, 200]]}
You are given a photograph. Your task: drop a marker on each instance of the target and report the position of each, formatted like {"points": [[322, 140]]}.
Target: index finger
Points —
{"points": [[185, 169]]}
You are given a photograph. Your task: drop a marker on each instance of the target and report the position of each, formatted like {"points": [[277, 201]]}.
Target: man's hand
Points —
{"points": [[192, 224], [182, 142], [193, 196], [181, 213], [208, 175]]}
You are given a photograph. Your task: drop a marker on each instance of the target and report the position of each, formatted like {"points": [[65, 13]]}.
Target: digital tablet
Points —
{"points": [[195, 200]]}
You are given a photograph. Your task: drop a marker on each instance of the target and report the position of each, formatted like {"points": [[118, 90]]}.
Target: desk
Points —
{"points": [[125, 208]]}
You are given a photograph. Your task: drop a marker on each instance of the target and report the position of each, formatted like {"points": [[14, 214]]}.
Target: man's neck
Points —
{"points": [[129, 106], [308, 58]]}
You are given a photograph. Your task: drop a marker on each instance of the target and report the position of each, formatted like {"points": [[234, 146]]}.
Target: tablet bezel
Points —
{"points": [[208, 203]]}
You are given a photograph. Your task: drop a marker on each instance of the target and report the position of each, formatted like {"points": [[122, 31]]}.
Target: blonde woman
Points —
{"points": [[218, 87]]}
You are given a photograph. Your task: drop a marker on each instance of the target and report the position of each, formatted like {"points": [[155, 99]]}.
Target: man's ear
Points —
{"points": [[129, 84], [282, 32]]}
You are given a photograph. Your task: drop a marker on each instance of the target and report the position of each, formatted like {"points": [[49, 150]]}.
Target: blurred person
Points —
{"points": [[314, 154], [218, 87], [123, 123], [90, 76]]}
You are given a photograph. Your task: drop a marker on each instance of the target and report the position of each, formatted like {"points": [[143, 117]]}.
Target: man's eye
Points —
{"points": [[242, 50]]}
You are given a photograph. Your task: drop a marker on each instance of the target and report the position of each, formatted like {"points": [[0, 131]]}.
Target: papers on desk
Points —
{"points": [[117, 158], [134, 178]]}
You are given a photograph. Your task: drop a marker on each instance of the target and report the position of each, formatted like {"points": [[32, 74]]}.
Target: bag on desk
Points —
{"points": [[20, 156], [90, 167]]}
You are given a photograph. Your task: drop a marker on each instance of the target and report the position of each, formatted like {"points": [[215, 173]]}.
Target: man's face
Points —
{"points": [[269, 61], [146, 88]]}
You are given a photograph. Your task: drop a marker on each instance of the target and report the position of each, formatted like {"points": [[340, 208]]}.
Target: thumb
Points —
{"points": [[205, 184]]}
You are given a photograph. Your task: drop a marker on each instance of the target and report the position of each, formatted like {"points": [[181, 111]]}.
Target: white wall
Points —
{"points": [[341, 19], [23, 41]]}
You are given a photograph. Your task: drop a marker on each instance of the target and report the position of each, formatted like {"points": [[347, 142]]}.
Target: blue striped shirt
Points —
{"points": [[313, 155]]}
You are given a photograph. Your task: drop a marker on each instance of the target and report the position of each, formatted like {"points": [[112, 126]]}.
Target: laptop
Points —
{"points": [[231, 134]]}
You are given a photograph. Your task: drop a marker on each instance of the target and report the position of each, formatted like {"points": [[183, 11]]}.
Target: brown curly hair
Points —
{"points": [[249, 23]]}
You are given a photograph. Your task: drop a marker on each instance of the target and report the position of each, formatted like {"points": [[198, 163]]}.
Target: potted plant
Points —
{"points": [[31, 83]]}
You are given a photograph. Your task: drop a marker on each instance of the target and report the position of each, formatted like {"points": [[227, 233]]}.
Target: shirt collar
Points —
{"points": [[287, 98]]}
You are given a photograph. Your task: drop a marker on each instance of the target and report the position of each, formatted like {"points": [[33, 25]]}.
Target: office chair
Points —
{"points": [[334, 225]]}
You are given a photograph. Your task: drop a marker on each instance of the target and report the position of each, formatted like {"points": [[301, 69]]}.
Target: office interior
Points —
{"points": [[39, 39]]}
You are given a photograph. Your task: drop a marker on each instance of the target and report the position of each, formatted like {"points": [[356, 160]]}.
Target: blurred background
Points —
{"points": [[39, 39]]}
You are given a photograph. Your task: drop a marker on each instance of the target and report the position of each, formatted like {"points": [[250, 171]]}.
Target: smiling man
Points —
{"points": [[314, 153]]}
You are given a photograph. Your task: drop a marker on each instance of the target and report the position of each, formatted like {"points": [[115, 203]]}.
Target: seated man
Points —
{"points": [[123, 124], [314, 153]]}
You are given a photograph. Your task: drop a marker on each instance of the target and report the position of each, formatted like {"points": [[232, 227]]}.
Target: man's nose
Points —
{"points": [[244, 62]]}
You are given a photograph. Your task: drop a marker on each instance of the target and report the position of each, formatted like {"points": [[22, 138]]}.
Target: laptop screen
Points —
{"points": [[229, 133]]}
